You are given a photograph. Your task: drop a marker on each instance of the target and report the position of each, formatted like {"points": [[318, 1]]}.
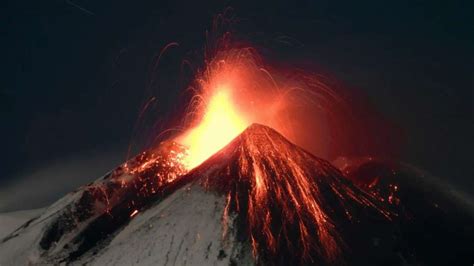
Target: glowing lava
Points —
{"points": [[220, 124], [293, 204]]}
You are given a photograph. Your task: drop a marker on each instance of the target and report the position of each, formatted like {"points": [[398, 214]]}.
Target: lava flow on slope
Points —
{"points": [[291, 206]]}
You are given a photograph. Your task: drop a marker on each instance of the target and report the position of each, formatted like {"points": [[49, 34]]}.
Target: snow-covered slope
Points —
{"points": [[21, 246], [184, 229], [138, 213]]}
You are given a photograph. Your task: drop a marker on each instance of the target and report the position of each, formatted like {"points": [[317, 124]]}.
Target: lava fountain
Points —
{"points": [[220, 124], [235, 90]]}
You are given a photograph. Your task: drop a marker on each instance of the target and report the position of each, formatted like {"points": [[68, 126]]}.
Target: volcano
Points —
{"points": [[259, 200]]}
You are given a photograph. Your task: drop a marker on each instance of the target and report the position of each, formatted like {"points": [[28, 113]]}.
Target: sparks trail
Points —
{"points": [[149, 98], [236, 89]]}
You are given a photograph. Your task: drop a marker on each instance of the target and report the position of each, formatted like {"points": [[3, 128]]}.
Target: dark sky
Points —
{"points": [[75, 72]]}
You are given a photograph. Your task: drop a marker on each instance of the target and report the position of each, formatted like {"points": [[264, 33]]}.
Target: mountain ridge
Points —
{"points": [[259, 200]]}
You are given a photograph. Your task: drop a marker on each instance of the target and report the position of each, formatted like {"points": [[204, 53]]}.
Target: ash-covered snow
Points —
{"points": [[20, 246], [10, 221]]}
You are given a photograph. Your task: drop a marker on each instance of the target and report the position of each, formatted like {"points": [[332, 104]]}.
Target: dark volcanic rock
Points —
{"points": [[436, 221]]}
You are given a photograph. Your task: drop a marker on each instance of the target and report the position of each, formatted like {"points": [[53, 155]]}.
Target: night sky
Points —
{"points": [[75, 74]]}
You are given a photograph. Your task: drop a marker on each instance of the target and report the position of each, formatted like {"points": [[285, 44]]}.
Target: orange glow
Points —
{"points": [[231, 93], [220, 124], [235, 89]]}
